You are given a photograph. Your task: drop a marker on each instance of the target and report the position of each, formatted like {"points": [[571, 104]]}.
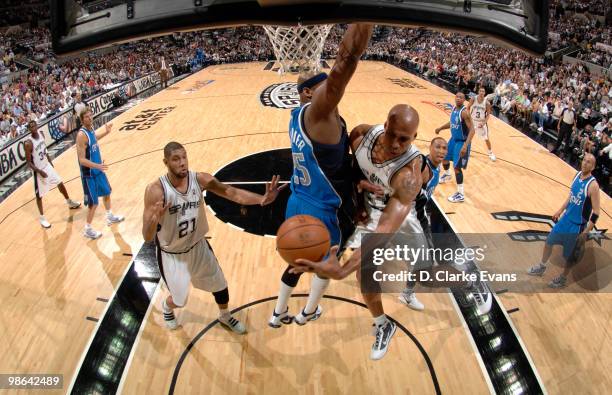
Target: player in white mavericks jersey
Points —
{"points": [[175, 217], [45, 176], [400, 182], [480, 110]]}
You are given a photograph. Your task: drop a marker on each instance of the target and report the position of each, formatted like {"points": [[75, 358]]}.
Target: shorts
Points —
{"points": [[198, 266], [565, 233], [95, 186], [454, 150], [411, 225], [410, 233], [340, 227], [43, 185], [482, 131]]}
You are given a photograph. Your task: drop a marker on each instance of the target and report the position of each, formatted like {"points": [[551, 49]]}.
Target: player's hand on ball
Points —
{"points": [[329, 268], [272, 190]]}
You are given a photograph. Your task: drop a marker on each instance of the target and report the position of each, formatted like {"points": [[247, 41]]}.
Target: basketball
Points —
{"points": [[302, 236]]}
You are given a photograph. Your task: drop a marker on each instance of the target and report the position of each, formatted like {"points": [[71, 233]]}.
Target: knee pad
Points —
{"points": [[290, 279], [459, 176], [221, 297]]}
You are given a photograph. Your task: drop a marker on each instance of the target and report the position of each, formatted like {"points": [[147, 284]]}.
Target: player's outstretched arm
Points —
{"points": [[154, 210], [325, 99], [406, 185], [107, 129], [241, 196], [443, 127]]}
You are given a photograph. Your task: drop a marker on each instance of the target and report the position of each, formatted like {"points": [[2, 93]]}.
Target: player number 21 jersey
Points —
{"points": [[184, 223]]}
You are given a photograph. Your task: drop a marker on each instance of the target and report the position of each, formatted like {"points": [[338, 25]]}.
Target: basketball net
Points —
{"points": [[298, 48]]}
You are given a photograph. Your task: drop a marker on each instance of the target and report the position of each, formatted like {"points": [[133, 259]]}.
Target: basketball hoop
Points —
{"points": [[298, 48]]}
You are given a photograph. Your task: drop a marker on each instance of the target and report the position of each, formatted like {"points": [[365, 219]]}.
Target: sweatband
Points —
{"points": [[312, 81]]}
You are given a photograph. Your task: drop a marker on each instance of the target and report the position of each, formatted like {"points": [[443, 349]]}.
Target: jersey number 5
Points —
{"points": [[298, 160], [184, 227]]}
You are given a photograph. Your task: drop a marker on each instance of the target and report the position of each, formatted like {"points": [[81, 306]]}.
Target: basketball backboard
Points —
{"points": [[79, 25]]}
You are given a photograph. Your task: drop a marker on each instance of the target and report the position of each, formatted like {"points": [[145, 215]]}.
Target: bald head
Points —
{"points": [[400, 129], [404, 116]]}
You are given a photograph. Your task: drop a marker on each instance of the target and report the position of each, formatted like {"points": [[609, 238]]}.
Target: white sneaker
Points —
{"points": [[482, 296], [410, 300], [92, 234], [232, 324], [456, 197], [445, 178], [537, 270], [384, 333], [44, 223], [73, 204], [303, 318], [492, 157], [170, 319], [277, 320], [114, 219]]}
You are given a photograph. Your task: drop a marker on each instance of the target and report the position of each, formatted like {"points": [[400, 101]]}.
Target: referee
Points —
{"points": [[567, 123]]}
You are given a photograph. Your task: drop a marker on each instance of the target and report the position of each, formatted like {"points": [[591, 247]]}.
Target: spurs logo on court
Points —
{"points": [[540, 235], [282, 95]]}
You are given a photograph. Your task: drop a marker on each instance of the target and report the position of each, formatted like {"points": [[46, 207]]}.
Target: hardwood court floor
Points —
{"points": [[51, 279]]}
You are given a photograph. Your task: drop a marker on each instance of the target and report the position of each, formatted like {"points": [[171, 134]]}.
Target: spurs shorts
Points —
{"points": [[43, 185], [411, 225], [197, 266], [482, 131], [410, 233]]}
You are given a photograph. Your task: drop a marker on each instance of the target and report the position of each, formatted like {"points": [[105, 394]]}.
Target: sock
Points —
{"points": [[542, 264], [460, 188], [380, 320], [224, 312], [447, 172], [42, 217], [165, 306], [490, 152], [68, 201], [283, 297], [87, 226], [317, 289], [109, 213]]}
